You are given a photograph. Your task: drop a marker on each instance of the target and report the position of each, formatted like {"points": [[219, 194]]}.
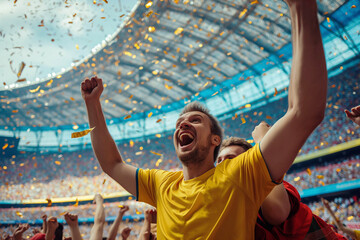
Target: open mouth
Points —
{"points": [[186, 139]]}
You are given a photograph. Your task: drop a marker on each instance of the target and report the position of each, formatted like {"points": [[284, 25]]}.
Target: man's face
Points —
{"points": [[192, 137], [230, 152]]}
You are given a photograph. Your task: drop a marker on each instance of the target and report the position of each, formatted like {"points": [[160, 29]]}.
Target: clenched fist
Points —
{"points": [[92, 88]]}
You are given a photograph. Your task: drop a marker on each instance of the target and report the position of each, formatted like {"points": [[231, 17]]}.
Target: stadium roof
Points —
{"points": [[173, 52]]}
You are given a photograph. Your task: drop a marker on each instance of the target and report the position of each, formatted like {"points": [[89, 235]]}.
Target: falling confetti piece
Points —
{"points": [[22, 66], [19, 214], [159, 154], [34, 90], [138, 212], [320, 177], [41, 23], [122, 15], [76, 203], [308, 171], [243, 13], [149, 13], [353, 6], [49, 202], [57, 162], [268, 117], [49, 83], [77, 46], [63, 213], [243, 120], [349, 218], [159, 120], [120, 206], [338, 170], [82, 133], [158, 135], [276, 92], [322, 183], [127, 117], [168, 87], [178, 31], [150, 114], [148, 4], [21, 80], [105, 1], [296, 179], [104, 181], [131, 143], [151, 29], [5, 146]]}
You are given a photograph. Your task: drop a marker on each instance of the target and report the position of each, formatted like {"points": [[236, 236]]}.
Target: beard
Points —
{"points": [[196, 155]]}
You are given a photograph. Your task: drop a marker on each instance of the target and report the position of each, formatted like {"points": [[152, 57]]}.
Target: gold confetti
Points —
{"points": [[15, 111], [104, 181], [150, 114], [131, 143], [41, 23], [349, 218], [276, 92], [19, 214], [148, 4], [34, 90], [268, 117], [338, 170], [77, 46], [57, 162], [322, 183], [49, 83], [308, 171], [5, 146], [178, 31], [138, 212], [76, 203], [248, 105], [168, 87], [151, 29], [158, 135], [21, 80], [159, 154], [105, 1], [214, 93], [120, 206], [296, 179], [82, 133], [320, 177], [149, 13], [243, 13], [243, 120], [122, 15], [127, 117], [49, 202], [63, 213], [159, 120], [22, 66]]}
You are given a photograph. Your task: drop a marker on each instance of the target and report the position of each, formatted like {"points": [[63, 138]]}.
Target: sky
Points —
{"points": [[49, 35]]}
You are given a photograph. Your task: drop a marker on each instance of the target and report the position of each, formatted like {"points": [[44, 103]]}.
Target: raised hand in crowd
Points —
{"points": [[52, 225], [115, 226], [72, 221], [146, 231], [354, 115], [44, 226], [125, 233], [17, 235]]}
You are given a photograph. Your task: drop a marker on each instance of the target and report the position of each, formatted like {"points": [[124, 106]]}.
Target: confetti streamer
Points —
{"points": [[5, 146], [34, 90], [82, 133], [159, 154], [49, 202], [22, 66]]}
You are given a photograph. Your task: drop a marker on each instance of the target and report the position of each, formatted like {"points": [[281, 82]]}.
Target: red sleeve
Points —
{"points": [[294, 198]]}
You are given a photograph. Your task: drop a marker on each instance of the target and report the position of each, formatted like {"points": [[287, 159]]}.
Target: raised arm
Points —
{"points": [[276, 207], [72, 221], [103, 144], [115, 226], [354, 115], [307, 91]]}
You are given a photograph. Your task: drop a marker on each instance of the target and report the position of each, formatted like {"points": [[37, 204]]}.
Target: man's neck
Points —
{"points": [[194, 170]]}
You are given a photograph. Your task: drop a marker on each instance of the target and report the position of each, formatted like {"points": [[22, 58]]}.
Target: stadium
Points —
{"points": [[233, 56]]}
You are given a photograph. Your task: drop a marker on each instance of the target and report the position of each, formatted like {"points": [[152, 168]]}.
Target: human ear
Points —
{"points": [[216, 140]]}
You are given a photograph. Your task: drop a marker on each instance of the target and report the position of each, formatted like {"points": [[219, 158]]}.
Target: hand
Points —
{"points": [[35, 231], [325, 203], [91, 89], [260, 131], [124, 209], [354, 115], [98, 199], [125, 233], [44, 217], [71, 219], [52, 224], [17, 235]]}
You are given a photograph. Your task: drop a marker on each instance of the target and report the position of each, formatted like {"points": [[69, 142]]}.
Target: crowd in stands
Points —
{"points": [[325, 174]]}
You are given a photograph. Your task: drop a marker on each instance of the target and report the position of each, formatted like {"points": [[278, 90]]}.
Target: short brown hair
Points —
{"points": [[215, 125], [235, 141]]}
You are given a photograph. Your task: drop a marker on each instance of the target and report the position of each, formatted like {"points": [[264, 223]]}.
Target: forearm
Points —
{"points": [[115, 227], [75, 233], [103, 144], [44, 226], [308, 85], [49, 235]]}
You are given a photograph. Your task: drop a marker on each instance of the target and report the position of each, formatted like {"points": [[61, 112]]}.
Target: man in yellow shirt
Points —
{"points": [[201, 202]]}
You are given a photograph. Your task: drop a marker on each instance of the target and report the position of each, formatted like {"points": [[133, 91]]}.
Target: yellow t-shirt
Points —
{"points": [[357, 234], [220, 204]]}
